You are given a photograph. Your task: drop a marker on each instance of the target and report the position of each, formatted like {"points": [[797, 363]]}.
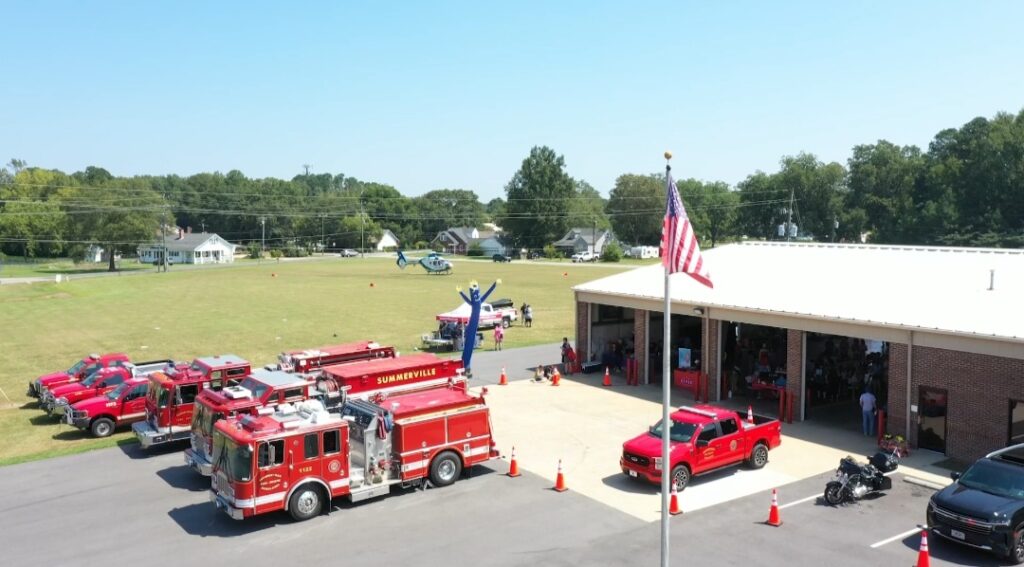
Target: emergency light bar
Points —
{"points": [[689, 409]]}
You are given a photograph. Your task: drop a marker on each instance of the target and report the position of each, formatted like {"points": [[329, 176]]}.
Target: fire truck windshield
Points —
{"points": [[233, 460], [680, 432], [78, 366], [158, 394], [116, 392], [204, 418]]}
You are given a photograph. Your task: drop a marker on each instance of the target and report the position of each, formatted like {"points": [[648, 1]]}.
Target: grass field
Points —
{"points": [[254, 311], [47, 267]]}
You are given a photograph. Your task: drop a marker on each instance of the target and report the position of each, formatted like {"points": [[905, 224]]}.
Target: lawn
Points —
{"points": [[47, 267], [254, 311]]}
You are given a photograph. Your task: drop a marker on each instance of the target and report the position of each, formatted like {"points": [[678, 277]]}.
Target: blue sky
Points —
{"points": [[431, 95]]}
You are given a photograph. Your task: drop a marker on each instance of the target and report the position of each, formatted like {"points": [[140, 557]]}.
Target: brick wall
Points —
{"points": [[979, 387], [794, 366], [583, 330], [640, 343], [709, 356], [896, 417]]}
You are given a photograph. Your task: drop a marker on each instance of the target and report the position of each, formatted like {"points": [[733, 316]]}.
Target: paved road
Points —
{"points": [[125, 506]]}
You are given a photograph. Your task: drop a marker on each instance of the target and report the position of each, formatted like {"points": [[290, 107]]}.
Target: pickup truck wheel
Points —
{"points": [[506, 323], [758, 457], [305, 502], [445, 469], [680, 477], [1016, 555], [102, 427]]}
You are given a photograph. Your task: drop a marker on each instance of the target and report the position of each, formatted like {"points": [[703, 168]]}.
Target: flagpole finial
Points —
{"points": [[668, 155]]}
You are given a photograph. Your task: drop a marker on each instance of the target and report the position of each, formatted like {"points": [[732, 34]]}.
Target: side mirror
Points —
{"points": [[954, 475]]}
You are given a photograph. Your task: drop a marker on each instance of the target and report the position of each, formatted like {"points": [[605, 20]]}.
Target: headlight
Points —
{"points": [[1001, 522]]}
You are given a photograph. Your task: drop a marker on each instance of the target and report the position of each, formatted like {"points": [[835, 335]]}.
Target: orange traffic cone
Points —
{"points": [[503, 381], [513, 466], [923, 560], [560, 479], [673, 507], [773, 515], [750, 415], [556, 378], [607, 379]]}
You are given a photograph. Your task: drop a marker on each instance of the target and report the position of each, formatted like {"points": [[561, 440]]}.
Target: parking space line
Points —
{"points": [[895, 537], [801, 501]]}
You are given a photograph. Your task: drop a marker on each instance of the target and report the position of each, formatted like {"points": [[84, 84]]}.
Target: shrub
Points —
{"points": [[255, 251], [276, 253], [421, 245], [475, 250], [552, 253], [611, 253]]}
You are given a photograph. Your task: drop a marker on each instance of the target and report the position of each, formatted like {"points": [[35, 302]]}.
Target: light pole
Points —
{"points": [[263, 238], [321, 233], [163, 233]]}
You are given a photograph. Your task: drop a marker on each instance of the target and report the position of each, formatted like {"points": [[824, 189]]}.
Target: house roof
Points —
{"points": [[934, 289], [188, 242], [387, 232], [587, 234]]}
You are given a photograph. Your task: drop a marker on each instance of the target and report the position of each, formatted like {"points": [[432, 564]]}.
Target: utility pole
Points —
{"points": [[203, 223], [789, 219], [263, 238], [163, 233], [321, 233], [306, 166]]}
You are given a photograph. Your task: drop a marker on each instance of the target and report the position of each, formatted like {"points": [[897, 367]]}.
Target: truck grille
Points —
{"points": [[635, 459], [963, 523]]}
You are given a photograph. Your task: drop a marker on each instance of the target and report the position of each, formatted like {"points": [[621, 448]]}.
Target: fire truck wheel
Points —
{"points": [[306, 502], [445, 469], [102, 427], [680, 477]]}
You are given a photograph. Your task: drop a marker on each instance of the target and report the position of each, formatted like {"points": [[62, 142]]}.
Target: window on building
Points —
{"points": [[311, 446], [332, 442], [1016, 434], [271, 453]]}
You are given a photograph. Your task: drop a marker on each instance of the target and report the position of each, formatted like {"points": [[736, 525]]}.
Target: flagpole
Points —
{"points": [[666, 428]]}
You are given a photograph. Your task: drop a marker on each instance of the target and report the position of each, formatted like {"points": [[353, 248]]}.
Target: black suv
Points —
{"points": [[984, 507], [501, 258]]}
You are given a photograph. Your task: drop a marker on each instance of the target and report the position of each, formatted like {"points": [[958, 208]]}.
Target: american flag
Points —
{"points": [[679, 249]]}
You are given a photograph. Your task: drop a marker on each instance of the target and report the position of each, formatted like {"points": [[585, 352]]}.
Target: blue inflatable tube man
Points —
{"points": [[475, 300]]}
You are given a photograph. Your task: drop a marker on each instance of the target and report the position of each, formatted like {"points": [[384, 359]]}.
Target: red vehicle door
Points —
{"points": [[334, 463], [183, 405], [706, 449], [730, 446], [271, 475], [133, 405]]}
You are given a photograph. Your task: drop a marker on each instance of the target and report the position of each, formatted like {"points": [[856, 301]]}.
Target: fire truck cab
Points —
{"points": [[172, 393], [301, 457], [261, 389], [316, 358]]}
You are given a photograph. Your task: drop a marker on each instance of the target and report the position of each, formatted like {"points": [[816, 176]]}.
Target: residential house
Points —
{"points": [[388, 241], [458, 240], [188, 248], [583, 240]]}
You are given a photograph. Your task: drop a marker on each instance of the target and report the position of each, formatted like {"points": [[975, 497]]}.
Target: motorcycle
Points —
{"points": [[854, 480]]}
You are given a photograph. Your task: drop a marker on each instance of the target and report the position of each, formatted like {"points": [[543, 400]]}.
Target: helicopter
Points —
{"points": [[433, 263]]}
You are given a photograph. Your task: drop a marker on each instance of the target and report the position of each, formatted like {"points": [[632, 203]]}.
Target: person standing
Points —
{"points": [[527, 315], [499, 336], [867, 411]]}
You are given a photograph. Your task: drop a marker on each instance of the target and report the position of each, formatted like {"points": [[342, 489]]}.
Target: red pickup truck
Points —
{"points": [[123, 405], [702, 439], [79, 370], [96, 384]]}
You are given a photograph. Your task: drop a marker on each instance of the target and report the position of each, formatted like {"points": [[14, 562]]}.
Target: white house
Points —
{"points": [[583, 240], [189, 248], [388, 241]]}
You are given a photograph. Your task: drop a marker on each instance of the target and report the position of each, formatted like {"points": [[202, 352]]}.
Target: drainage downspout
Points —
{"points": [[910, 378]]}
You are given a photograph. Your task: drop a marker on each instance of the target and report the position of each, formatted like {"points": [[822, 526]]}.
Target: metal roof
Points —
{"points": [[279, 378], [940, 289], [406, 362], [222, 360]]}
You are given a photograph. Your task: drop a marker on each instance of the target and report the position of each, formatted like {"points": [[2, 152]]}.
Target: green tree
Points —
{"points": [[712, 208], [118, 215], [495, 209], [882, 179], [586, 209], [444, 208], [636, 206], [539, 195]]}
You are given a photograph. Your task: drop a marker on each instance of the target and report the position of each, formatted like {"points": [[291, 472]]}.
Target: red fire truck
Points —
{"points": [[172, 394], [389, 376], [102, 414], [378, 377], [302, 457], [312, 359], [78, 371]]}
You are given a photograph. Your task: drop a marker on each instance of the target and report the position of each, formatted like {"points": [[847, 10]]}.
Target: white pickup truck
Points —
{"points": [[501, 312]]}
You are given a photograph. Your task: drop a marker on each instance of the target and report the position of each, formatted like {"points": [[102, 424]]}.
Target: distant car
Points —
{"points": [[584, 257], [349, 253], [534, 255], [501, 258]]}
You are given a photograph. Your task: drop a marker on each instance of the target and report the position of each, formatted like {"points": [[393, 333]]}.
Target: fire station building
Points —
{"points": [[936, 334]]}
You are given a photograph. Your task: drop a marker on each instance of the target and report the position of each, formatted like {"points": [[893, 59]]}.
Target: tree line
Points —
{"points": [[965, 189]]}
